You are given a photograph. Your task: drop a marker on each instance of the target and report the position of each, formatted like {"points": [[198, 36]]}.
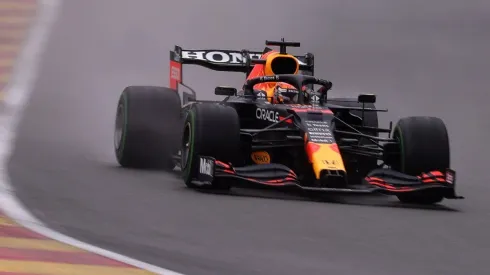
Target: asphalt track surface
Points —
{"points": [[420, 57]]}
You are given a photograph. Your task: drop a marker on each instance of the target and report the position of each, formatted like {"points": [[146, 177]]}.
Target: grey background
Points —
{"points": [[421, 57]]}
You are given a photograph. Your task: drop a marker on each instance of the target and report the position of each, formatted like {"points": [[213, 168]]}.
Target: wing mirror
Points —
{"points": [[223, 90], [366, 98]]}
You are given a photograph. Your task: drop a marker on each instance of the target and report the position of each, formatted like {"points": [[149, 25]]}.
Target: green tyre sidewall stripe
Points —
{"points": [[402, 150], [190, 157]]}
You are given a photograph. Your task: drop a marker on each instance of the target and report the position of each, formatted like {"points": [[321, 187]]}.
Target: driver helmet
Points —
{"points": [[285, 93]]}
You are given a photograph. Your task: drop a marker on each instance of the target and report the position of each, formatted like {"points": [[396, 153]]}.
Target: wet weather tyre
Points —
{"points": [[363, 165], [423, 147], [211, 130], [147, 127]]}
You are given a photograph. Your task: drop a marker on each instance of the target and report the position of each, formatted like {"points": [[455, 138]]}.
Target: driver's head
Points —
{"points": [[285, 93]]}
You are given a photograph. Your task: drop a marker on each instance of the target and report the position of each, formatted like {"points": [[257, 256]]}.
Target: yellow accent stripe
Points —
{"points": [[11, 5], [15, 20], [65, 269], [6, 222], [39, 268], [36, 244]]}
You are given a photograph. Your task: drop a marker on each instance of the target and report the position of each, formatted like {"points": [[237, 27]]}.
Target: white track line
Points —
{"points": [[17, 94]]}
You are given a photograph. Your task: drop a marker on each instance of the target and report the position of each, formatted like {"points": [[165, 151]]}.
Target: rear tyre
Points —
{"points": [[423, 147], [211, 130], [147, 130], [357, 169]]}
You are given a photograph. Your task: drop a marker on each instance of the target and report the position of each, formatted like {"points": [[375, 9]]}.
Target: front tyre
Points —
{"points": [[210, 130], [423, 147]]}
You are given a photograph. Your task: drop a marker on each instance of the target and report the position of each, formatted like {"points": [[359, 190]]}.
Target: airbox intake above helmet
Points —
{"points": [[281, 64]]}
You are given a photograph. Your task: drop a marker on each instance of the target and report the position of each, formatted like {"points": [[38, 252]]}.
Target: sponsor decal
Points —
{"points": [[324, 133], [261, 95], [261, 157], [449, 177], [330, 162], [222, 56], [286, 91], [218, 56], [319, 131], [175, 74], [315, 99], [269, 78], [268, 115], [321, 140], [206, 167]]}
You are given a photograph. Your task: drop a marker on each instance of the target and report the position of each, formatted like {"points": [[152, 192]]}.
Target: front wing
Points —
{"points": [[392, 182], [384, 181]]}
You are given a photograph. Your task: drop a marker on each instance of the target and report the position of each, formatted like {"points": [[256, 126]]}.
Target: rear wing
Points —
{"points": [[223, 60]]}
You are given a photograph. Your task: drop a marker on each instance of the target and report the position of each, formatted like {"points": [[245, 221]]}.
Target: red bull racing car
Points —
{"points": [[280, 130]]}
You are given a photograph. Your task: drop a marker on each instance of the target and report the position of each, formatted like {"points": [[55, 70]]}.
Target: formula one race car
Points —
{"points": [[278, 131]]}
